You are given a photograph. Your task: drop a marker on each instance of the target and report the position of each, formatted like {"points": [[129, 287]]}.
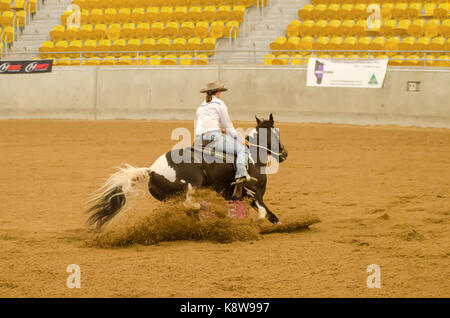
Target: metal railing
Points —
{"points": [[253, 56]]}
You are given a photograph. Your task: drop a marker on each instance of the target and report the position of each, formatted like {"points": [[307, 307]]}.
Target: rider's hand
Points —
{"points": [[223, 131], [246, 143]]}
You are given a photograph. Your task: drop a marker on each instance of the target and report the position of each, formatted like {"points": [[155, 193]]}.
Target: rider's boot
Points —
{"points": [[239, 186]]}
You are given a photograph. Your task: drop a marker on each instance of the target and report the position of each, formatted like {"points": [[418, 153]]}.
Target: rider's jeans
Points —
{"points": [[225, 143]]}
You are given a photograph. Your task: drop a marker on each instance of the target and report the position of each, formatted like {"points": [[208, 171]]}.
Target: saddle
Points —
{"points": [[204, 147]]}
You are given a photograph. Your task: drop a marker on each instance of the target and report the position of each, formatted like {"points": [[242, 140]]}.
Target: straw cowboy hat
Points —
{"points": [[214, 87]]}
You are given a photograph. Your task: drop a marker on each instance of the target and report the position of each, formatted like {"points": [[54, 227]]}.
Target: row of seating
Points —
{"points": [[387, 10], [397, 60], [148, 46], [417, 27], [154, 14], [157, 30], [316, 2], [186, 59], [91, 4], [361, 43]]}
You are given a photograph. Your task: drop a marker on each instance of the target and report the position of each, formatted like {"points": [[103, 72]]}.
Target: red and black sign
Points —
{"points": [[34, 66]]}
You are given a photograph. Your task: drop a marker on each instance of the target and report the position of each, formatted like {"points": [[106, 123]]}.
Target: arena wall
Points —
{"points": [[167, 92]]}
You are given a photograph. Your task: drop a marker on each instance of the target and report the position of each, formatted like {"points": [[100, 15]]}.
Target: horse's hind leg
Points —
{"points": [[189, 202], [263, 210]]}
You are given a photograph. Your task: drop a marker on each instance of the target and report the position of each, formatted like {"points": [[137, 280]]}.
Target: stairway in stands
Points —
{"points": [[38, 30], [261, 27]]}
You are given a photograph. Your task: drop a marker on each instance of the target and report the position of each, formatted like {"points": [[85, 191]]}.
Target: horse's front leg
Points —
{"points": [[263, 211]]}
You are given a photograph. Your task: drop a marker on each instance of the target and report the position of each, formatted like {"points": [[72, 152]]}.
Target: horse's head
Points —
{"points": [[270, 135]]}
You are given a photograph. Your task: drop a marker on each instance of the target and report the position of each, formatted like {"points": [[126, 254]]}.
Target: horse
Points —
{"points": [[168, 177]]}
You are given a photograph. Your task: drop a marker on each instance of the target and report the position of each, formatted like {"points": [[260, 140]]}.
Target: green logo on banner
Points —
{"points": [[373, 80]]}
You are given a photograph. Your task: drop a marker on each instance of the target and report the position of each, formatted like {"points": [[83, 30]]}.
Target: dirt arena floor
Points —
{"points": [[382, 194]]}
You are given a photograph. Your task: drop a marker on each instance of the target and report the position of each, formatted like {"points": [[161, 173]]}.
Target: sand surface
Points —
{"points": [[382, 194]]}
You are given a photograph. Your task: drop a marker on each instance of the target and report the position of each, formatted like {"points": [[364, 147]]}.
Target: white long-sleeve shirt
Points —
{"points": [[210, 116]]}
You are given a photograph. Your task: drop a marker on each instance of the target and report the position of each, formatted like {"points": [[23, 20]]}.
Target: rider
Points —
{"points": [[210, 116]]}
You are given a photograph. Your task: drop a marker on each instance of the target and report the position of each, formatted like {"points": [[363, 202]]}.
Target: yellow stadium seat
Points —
{"points": [[320, 27], [442, 10], [133, 46], [422, 43], [92, 61], [104, 47], [178, 44], [194, 44], [216, 29], [382, 56], [417, 27], [231, 29], [75, 48], [388, 27], [392, 44], [86, 32], [113, 31], [148, 45], [293, 28], [118, 47], [186, 59], [61, 48], [169, 60], [124, 15], [306, 12], [319, 11], [238, 13], [292, 45], [400, 10], [296, 59], [432, 27], [360, 11], [223, 13], [428, 9], [209, 44], [128, 31], [278, 43], [57, 33], [96, 16], [414, 9], [99, 32], [47, 47], [152, 14], [65, 16], [108, 60], [413, 60], [21, 17], [386, 10], [377, 44], [328, 56], [444, 28], [349, 43], [407, 43], [209, 14], [157, 30], [347, 27], [360, 27], [71, 33], [321, 43], [5, 5], [194, 14], [282, 59], [171, 30], [430, 60], [142, 31], [268, 58], [306, 43], [180, 15], [333, 28], [202, 59], [437, 44], [90, 4], [331, 12], [89, 46], [363, 43], [443, 60], [307, 28], [166, 14], [201, 29], [163, 45], [335, 43], [403, 27], [63, 61], [109, 16], [138, 15], [187, 29], [345, 12], [396, 60], [155, 60]]}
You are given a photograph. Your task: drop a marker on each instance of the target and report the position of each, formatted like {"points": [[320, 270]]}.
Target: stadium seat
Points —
{"points": [[57, 33], [444, 28], [186, 59], [96, 16], [179, 45], [71, 33], [194, 14], [109, 16], [202, 59], [61, 48], [171, 30], [335, 43], [99, 32], [138, 15], [292, 45], [133, 45], [89, 46], [231, 29], [152, 15], [209, 44], [163, 44], [349, 43], [75, 48], [216, 29], [443, 60], [194, 44], [157, 30], [442, 10], [268, 58], [278, 44], [118, 47], [378, 43], [224, 13], [307, 28], [128, 31], [148, 45], [113, 31], [46, 49], [142, 30], [180, 15], [392, 44], [201, 29], [400, 10], [293, 28], [321, 43], [417, 27], [437, 44], [165, 15], [108, 60], [414, 10], [238, 13], [104, 48], [396, 60], [282, 59], [187, 29], [363, 43], [432, 27], [305, 13], [407, 43], [387, 27], [169, 60], [306, 43], [209, 14]]}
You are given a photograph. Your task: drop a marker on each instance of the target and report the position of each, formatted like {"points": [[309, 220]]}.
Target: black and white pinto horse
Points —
{"points": [[167, 178]]}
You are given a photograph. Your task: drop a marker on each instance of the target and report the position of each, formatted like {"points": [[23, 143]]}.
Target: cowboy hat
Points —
{"points": [[214, 87]]}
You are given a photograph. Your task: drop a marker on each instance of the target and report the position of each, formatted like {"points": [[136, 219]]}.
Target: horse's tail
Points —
{"points": [[117, 194]]}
